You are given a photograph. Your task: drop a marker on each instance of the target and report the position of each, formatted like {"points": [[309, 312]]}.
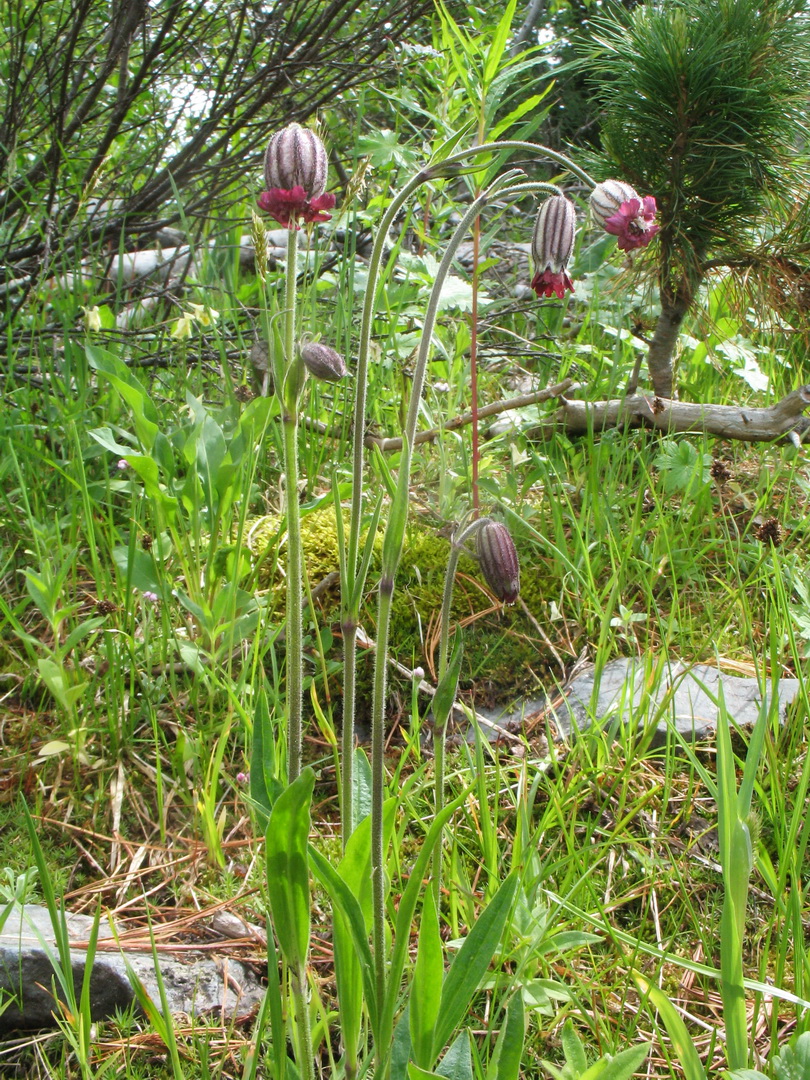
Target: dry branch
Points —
{"points": [[747, 424], [493, 409]]}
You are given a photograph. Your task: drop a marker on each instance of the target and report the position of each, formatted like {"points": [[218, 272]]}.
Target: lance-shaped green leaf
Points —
{"points": [[448, 684], [344, 900], [426, 988], [288, 869], [471, 964], [133, 392], [407, 906], [265, 787], [505, 1064]]}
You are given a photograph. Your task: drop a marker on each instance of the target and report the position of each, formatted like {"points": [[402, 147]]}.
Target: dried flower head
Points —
{"points": [[720, 471], [769, 532], [498, 557], [621, 211], [295, 167], [552, 244]]}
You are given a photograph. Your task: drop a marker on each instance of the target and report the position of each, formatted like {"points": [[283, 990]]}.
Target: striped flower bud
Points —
{"points": [[295, 167], [498, 557], [296, 157], [322, 362], [621, 211], [552, 244]]}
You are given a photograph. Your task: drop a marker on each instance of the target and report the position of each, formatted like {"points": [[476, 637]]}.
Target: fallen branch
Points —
{"points": [[748, 424], [457, 422]]}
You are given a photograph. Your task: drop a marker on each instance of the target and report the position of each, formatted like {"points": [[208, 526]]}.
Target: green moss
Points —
{"points": [[502, 649]]}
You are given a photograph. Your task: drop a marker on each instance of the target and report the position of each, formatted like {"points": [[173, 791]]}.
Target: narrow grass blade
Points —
{"points": [[679, 1036]]}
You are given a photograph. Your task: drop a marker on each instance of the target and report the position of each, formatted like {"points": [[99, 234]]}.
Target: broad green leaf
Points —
{"points": [[265, 786], [509, 1047], [58, 682], [80, 632], [138, 569], [361, 789], [685, 1052], [793, 1060], [426, 987], [401, 1047], [470, 965], [105, 437], [457, 1062], [133, 392], [575, 1056], [342, 897], [620, 1067], [288, 868], [355, 866]]}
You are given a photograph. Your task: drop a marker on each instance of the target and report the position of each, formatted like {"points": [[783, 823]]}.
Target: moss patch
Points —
{"points": [[503, 652]]}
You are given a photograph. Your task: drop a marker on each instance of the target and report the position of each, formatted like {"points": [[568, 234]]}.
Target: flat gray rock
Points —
{"points": [[669, 695], [194, 985]]}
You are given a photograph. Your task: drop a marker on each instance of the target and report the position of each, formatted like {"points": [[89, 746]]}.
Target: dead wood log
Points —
{"points": [[784, 419]]}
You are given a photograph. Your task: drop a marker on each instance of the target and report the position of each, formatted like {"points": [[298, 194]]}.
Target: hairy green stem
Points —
{"points": [[440, 730], [351, 588], [378, 790], [304, 1059], [392, 550], [288, 394]]}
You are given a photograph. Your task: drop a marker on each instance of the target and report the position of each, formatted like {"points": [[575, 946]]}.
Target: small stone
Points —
{"points": [[194, 985]]}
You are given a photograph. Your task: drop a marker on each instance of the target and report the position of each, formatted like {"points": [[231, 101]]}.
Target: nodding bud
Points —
{"points": [[296, 157], [498, 557], [607, 199], [552, 244], [553, 238], [322, 362]]}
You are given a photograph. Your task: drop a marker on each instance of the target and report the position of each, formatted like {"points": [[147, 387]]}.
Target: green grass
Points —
{"points": [[614, 842]]}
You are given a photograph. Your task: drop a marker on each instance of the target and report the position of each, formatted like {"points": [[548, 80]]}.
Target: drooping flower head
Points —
{"points": [[295, 173], [323, 362], [621, 211], [552, 244], [498, 557]]}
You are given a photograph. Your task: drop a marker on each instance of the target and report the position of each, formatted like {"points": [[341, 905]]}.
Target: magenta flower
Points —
{"points": [[295, 167], [633, 223], [549, 283], [552, 244], [621, 211], [290, 207]]}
